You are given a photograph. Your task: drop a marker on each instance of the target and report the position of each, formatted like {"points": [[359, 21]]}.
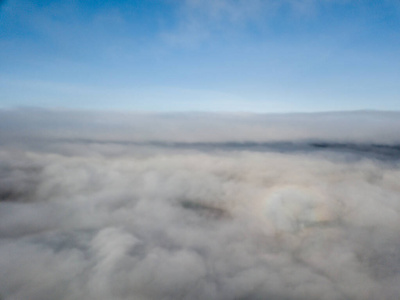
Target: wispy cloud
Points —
{"points": [[200, 20]]}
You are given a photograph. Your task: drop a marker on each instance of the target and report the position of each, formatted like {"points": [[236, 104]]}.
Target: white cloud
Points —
{"points": [[123, 220]]}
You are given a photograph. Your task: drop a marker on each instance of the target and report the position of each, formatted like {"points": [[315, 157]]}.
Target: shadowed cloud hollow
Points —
{"points": [[199, 206]]}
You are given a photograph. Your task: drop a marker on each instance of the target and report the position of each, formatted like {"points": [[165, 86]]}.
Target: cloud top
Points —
{"points": [[138, 220]]}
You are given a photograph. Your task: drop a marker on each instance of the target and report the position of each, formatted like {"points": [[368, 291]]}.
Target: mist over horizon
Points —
{"points": [[97, 205]]}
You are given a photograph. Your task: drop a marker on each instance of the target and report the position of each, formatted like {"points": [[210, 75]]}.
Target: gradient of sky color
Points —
{"points": [[202, 55]]}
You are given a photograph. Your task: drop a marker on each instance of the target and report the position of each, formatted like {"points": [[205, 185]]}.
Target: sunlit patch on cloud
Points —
{"points": [[294, 209]]}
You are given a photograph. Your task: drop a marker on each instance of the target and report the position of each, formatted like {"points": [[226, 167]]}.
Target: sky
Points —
{"points": [[193, 55]]}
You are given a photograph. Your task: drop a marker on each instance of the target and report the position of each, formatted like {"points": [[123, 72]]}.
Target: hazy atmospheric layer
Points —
{"points": [[199, 206]]}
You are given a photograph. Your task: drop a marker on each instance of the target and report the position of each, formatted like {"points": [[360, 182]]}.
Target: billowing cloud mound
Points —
{"points": [[108, 206]]}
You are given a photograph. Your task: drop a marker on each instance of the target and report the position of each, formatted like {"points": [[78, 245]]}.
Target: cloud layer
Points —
{"points": [[106, 219]]}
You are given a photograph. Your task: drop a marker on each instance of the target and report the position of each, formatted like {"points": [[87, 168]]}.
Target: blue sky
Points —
{"points": [[194, 55]]}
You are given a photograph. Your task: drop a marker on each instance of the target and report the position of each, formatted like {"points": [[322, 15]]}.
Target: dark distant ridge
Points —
{"points": [[378, 151]]}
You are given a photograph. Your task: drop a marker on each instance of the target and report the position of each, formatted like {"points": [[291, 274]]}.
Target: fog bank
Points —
{"points": [[199, 206]]}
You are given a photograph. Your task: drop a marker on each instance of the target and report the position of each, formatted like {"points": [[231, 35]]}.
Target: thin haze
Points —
{"points": [[207, 55]]}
